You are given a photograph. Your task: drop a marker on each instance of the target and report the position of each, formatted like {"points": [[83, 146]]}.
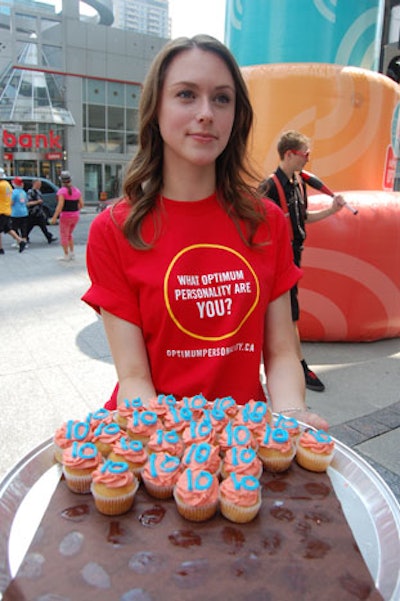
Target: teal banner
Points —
{"points": [[343, 32]]}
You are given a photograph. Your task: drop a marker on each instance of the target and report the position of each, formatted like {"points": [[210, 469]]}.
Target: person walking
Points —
{"points": [[37, 216], [69, 204], [19, 209], [5, 213], [288, 190], [191, 269]]}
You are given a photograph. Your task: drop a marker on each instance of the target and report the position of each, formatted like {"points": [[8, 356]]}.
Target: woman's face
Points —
{"points": [[196, 109]]}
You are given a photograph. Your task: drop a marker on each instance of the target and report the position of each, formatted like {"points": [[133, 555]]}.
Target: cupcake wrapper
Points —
{"points": [[194, 513], [312, 461], [275, 463], [237, 514], [114, 505], [78, 484], [157, 491]]}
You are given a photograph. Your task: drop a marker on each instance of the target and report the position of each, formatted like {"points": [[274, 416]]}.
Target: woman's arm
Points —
{"points": [[130, 358], [285, 377], [81, 204], [59, 208]]}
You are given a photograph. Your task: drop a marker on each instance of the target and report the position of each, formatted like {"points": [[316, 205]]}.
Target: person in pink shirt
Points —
{"points": [[69, 204]]}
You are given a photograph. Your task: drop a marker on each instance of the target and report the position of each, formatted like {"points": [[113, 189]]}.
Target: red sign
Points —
{"points": [[390, 169], [8, 156], [24, 140], [53, 156]]}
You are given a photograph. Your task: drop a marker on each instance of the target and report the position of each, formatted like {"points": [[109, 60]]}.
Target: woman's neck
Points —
{"points": [[191, 184]]}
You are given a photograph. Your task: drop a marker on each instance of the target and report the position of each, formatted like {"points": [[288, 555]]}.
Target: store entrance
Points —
{"points": [[102, 178]]}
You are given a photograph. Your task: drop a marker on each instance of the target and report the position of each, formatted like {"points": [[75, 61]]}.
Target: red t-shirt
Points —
{"points": [[199, 294]]}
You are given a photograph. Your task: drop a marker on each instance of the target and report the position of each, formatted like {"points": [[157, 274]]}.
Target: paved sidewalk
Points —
{"points": [[55, 363]]}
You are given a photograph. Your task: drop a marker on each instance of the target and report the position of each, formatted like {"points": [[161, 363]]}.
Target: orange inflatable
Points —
{"points": [[351, 285]]}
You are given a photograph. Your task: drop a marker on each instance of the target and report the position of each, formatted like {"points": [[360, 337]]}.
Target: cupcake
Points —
{"points": [[236, 436], [79, 461], [177, 418], [227, 405], [105, 435], [242, 461], [101, 416], [69, 432], [315, 450], [132, 452], [125, 410], [290, 424], [160, 474], [196, 495], [240, 498], [197, 432], [203, 456], [142, 424], [113, 488], [276, 449], [160, 404], [162, 441], [197, 405]]}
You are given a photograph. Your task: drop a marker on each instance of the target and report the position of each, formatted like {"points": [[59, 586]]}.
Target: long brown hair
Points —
{"points": [[144, 176]]}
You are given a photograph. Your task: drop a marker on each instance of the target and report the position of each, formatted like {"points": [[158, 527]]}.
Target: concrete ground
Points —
{"points": [[55, 363]]}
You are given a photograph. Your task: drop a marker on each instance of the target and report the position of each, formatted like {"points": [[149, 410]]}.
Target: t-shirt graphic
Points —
{"points": [[214, 300]]}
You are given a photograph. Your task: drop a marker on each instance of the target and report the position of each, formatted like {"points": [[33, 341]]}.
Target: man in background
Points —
{"points": [[288, 190]]}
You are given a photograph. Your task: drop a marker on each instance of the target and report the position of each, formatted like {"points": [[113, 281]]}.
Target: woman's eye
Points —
{"points": [[185, 94], [223, 99]]}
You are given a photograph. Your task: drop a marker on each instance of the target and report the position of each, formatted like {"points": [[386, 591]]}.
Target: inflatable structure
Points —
{"points": [[314, 74]]}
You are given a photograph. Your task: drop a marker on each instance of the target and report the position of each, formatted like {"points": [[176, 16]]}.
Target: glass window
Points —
{"points": [[113, 180], [96, 141], [115, 118], [115, 94], [132, 119], [96, 91], [133, 96], [115, 142], [97, 116], [92, 182]]}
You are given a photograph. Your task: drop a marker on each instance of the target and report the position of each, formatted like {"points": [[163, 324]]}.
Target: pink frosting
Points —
{"points": [[158, 444], [197, 434], [282, 447], [234, 463], [113, 479], [130, 454], [162, 469], [62, 438], [175, 420], [212, 462], [108, 437], [142, 427], [244, 497], [80, 460], [309, 440], [194, 495]]}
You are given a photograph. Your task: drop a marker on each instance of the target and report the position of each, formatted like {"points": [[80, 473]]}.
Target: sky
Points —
{"points": [[189, 17]]}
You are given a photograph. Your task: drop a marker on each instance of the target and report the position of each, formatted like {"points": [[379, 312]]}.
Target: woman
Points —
{"points": [[69, 203], [191, 270]]}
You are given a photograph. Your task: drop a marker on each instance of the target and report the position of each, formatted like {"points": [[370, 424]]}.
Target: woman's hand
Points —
{"points": [[307, 417]]}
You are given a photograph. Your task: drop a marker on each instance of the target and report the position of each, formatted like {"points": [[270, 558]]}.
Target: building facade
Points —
{"points": [[143, 16], [69, 94]]}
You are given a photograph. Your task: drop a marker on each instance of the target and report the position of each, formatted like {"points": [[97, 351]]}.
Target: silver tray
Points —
{"points": [[371, 509]]}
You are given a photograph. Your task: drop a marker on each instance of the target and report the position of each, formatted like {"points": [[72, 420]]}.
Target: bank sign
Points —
{"points": [[50, 141]]}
